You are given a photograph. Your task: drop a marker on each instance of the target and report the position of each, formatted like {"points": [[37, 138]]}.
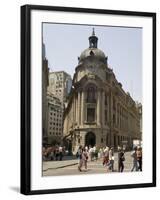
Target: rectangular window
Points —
{"points": [[90, 114], [114, 119]]}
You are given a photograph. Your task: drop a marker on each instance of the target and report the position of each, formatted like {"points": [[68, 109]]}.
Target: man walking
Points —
{"points": [[139, 157], [134, 156], [121, 159]]}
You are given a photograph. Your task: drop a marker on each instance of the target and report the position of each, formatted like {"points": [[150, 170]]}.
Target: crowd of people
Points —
{"points": [[106, 155], [84, 154], [55, 152]]}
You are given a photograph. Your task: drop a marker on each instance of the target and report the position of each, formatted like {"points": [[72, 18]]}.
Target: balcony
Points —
{"points": [[90, 100]]}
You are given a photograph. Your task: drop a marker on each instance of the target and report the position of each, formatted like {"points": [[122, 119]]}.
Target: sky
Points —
{"points": [[123, 46]]}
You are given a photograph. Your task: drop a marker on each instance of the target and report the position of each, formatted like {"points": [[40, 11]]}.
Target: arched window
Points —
{"points": [[91, 94]]}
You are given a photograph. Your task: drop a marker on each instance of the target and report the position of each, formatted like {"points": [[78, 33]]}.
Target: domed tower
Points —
{"points": [[93, 49], [91, 61], [84, 119], [99, 111]]}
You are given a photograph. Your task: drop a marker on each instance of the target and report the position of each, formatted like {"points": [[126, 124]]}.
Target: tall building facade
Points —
{"points": [[44, 95], [58, 89], [60, 85], [55, 122], [99, 111]]}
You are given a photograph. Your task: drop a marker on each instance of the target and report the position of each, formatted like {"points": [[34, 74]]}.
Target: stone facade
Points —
{"points": [[99, 111], [60, 85], [55, 123]]}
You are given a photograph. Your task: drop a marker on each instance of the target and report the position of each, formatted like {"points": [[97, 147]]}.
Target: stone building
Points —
{"points": [[60, 85], [58, 89], [55, 122], [44, 95], [99, 111]]}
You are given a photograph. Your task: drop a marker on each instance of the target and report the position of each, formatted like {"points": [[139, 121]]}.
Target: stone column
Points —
{"points": [[98, 108], [103, 109], [82, 107], [116, 113], [78, 108], [74, 108], [108, 109], [120, 117], [111, 119]]}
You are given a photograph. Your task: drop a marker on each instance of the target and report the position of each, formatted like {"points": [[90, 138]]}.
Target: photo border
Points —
{"points": [[26, 97]]}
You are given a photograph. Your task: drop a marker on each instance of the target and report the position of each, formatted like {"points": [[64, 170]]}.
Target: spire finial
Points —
{"points": [[93, 40], [93, 32]]}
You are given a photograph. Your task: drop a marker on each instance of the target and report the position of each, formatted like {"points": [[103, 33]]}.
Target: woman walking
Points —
{"points": [[105, 156], [111, 159], [85, 158]]}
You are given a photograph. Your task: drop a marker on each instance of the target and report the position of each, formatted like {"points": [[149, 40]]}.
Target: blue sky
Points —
{"points": [[122, 45]]}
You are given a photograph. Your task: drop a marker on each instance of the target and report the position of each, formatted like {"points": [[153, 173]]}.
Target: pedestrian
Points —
{"points": [[94, 152], [100, 153], [91, 153], [44, 153], [52, 154], [134, 156], [86, 148], [60, 153], [56, 152], [121, 159], [79, 156], [85, 158], [105, 156], [139, 157], [111, 159]]}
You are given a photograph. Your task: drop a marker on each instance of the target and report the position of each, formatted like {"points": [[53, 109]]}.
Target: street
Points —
{"points": [[70, 167]]}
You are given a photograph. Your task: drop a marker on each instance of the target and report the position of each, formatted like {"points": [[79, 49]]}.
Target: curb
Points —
{"points": [[61, 166]]}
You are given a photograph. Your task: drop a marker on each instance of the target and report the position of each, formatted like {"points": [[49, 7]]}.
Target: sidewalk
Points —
{"points": [[71, 161], [58, 164]]}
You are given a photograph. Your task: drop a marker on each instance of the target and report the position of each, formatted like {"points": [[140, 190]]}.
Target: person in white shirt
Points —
{"points": [[111, 159], [60, 153]]}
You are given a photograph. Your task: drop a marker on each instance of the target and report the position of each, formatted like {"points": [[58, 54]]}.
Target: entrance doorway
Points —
{"points": [[90, 139]]}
